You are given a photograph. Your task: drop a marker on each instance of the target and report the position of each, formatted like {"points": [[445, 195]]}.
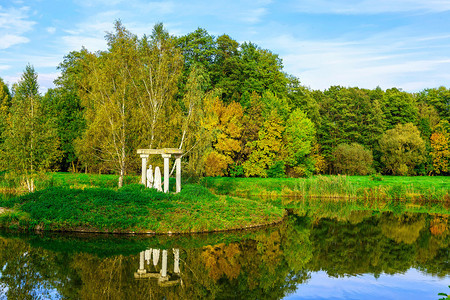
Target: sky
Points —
{"points": [[352, 43]]}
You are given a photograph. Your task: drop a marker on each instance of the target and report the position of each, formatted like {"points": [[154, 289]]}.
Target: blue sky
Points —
{"points": [[364, 43]]}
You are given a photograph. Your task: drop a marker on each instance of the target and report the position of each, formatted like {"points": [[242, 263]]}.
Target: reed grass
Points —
{"points": [[335, 187]]}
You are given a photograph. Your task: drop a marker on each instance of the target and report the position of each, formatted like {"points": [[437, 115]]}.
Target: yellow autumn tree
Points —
{"points": [[224, 123], [440, 149], [265, 150]]}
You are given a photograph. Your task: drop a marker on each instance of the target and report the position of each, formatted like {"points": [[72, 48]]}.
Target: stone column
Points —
{"points": [[164, 264], [178, 173], [176, 261], [144, 169], [166, 172]]}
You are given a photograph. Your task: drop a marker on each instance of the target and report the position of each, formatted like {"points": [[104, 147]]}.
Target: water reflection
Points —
{"points": [[271, 263], [157, 271]]}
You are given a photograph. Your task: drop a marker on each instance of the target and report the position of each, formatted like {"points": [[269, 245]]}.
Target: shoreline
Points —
{"points": [[37, 229]]}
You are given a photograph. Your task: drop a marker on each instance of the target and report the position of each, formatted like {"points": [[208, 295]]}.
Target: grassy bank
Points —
{"points": [[134, 209], [346, 187], [12, 184]]}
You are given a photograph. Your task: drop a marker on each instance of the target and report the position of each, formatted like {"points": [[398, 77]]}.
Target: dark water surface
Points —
{"points": [[356, 255]]}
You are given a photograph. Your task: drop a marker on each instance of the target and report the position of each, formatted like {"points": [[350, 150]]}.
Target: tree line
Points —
{"points": [[229, 106]]}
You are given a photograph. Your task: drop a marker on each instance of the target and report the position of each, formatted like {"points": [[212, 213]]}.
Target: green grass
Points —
{"points": [[350, 187], [134, 209]]}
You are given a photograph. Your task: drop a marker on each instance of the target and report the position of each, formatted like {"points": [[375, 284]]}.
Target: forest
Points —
{"points": [[228, 105]]}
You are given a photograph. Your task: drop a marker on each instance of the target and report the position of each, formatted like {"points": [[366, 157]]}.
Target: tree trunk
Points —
{"points": [[121, 178]]}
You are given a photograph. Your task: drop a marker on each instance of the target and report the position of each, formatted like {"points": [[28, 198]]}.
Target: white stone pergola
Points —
{"points": [[166, 154]]}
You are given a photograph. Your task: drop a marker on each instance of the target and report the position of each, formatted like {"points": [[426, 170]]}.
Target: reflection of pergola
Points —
{"points": [[164, 279], [166, 153]]}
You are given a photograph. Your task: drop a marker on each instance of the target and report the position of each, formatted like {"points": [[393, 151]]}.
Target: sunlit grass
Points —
{"points": [[135, 209], [347, 187]]}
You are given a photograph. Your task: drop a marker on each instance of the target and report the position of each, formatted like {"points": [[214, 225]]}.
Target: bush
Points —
{"points": [[236, 170], [352, 159], [276, 170], [402, 149], [377, 177]]}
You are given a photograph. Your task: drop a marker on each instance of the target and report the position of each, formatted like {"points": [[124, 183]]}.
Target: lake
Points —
{"points": [[360, 254]]}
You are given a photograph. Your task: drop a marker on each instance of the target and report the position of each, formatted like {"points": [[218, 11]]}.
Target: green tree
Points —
{"points": [[399, 107], [5, 104], [348, 115], [439, 98], [155, 74], [298, 138], [225, 71], [352, 159], [31, 140], [129, 99], [402, 149], [65, 106], [267, 148], [109, 105]]}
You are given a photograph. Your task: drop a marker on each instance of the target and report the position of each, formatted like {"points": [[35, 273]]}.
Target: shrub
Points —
{"points": [[377, 177], [236, 170], [352, 159], [402, 149], [276, 170]]}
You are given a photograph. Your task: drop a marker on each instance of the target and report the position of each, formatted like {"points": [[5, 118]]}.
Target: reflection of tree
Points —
{"points": [[380, 243], [266, 264], [405, 228], [222, 260]]}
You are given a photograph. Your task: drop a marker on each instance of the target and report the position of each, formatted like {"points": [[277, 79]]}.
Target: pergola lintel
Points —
{"points": [[160, 151]]}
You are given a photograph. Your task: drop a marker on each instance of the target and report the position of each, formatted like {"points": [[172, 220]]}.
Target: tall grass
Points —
{"points": [[335, 187]]}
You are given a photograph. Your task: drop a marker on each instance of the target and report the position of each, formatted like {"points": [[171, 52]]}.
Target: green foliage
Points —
{"points": [[352, 159], [266, 148], [376, 177], [277, 170], [228, 105], [399, 108], [30, 140], [298, 138], [349, 115], [236, 170], [402, 149]]}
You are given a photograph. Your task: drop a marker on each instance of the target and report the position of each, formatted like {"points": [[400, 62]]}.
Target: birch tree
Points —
{"points": [[109, 107], [155, 80]]}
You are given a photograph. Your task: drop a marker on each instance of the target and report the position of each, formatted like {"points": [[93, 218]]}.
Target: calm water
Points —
{"points": [[356, 255]]}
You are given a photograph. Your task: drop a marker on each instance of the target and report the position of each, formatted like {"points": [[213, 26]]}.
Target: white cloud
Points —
{"points": [[14, 24], [91, 32], [370, 6], [9, 40], [4, 67], [76, 42], [384, 60], [51, 30], [46, 81], [253, 15]]}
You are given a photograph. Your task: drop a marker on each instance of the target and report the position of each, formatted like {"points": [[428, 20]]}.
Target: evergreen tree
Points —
{"points": [[31, 141]]}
